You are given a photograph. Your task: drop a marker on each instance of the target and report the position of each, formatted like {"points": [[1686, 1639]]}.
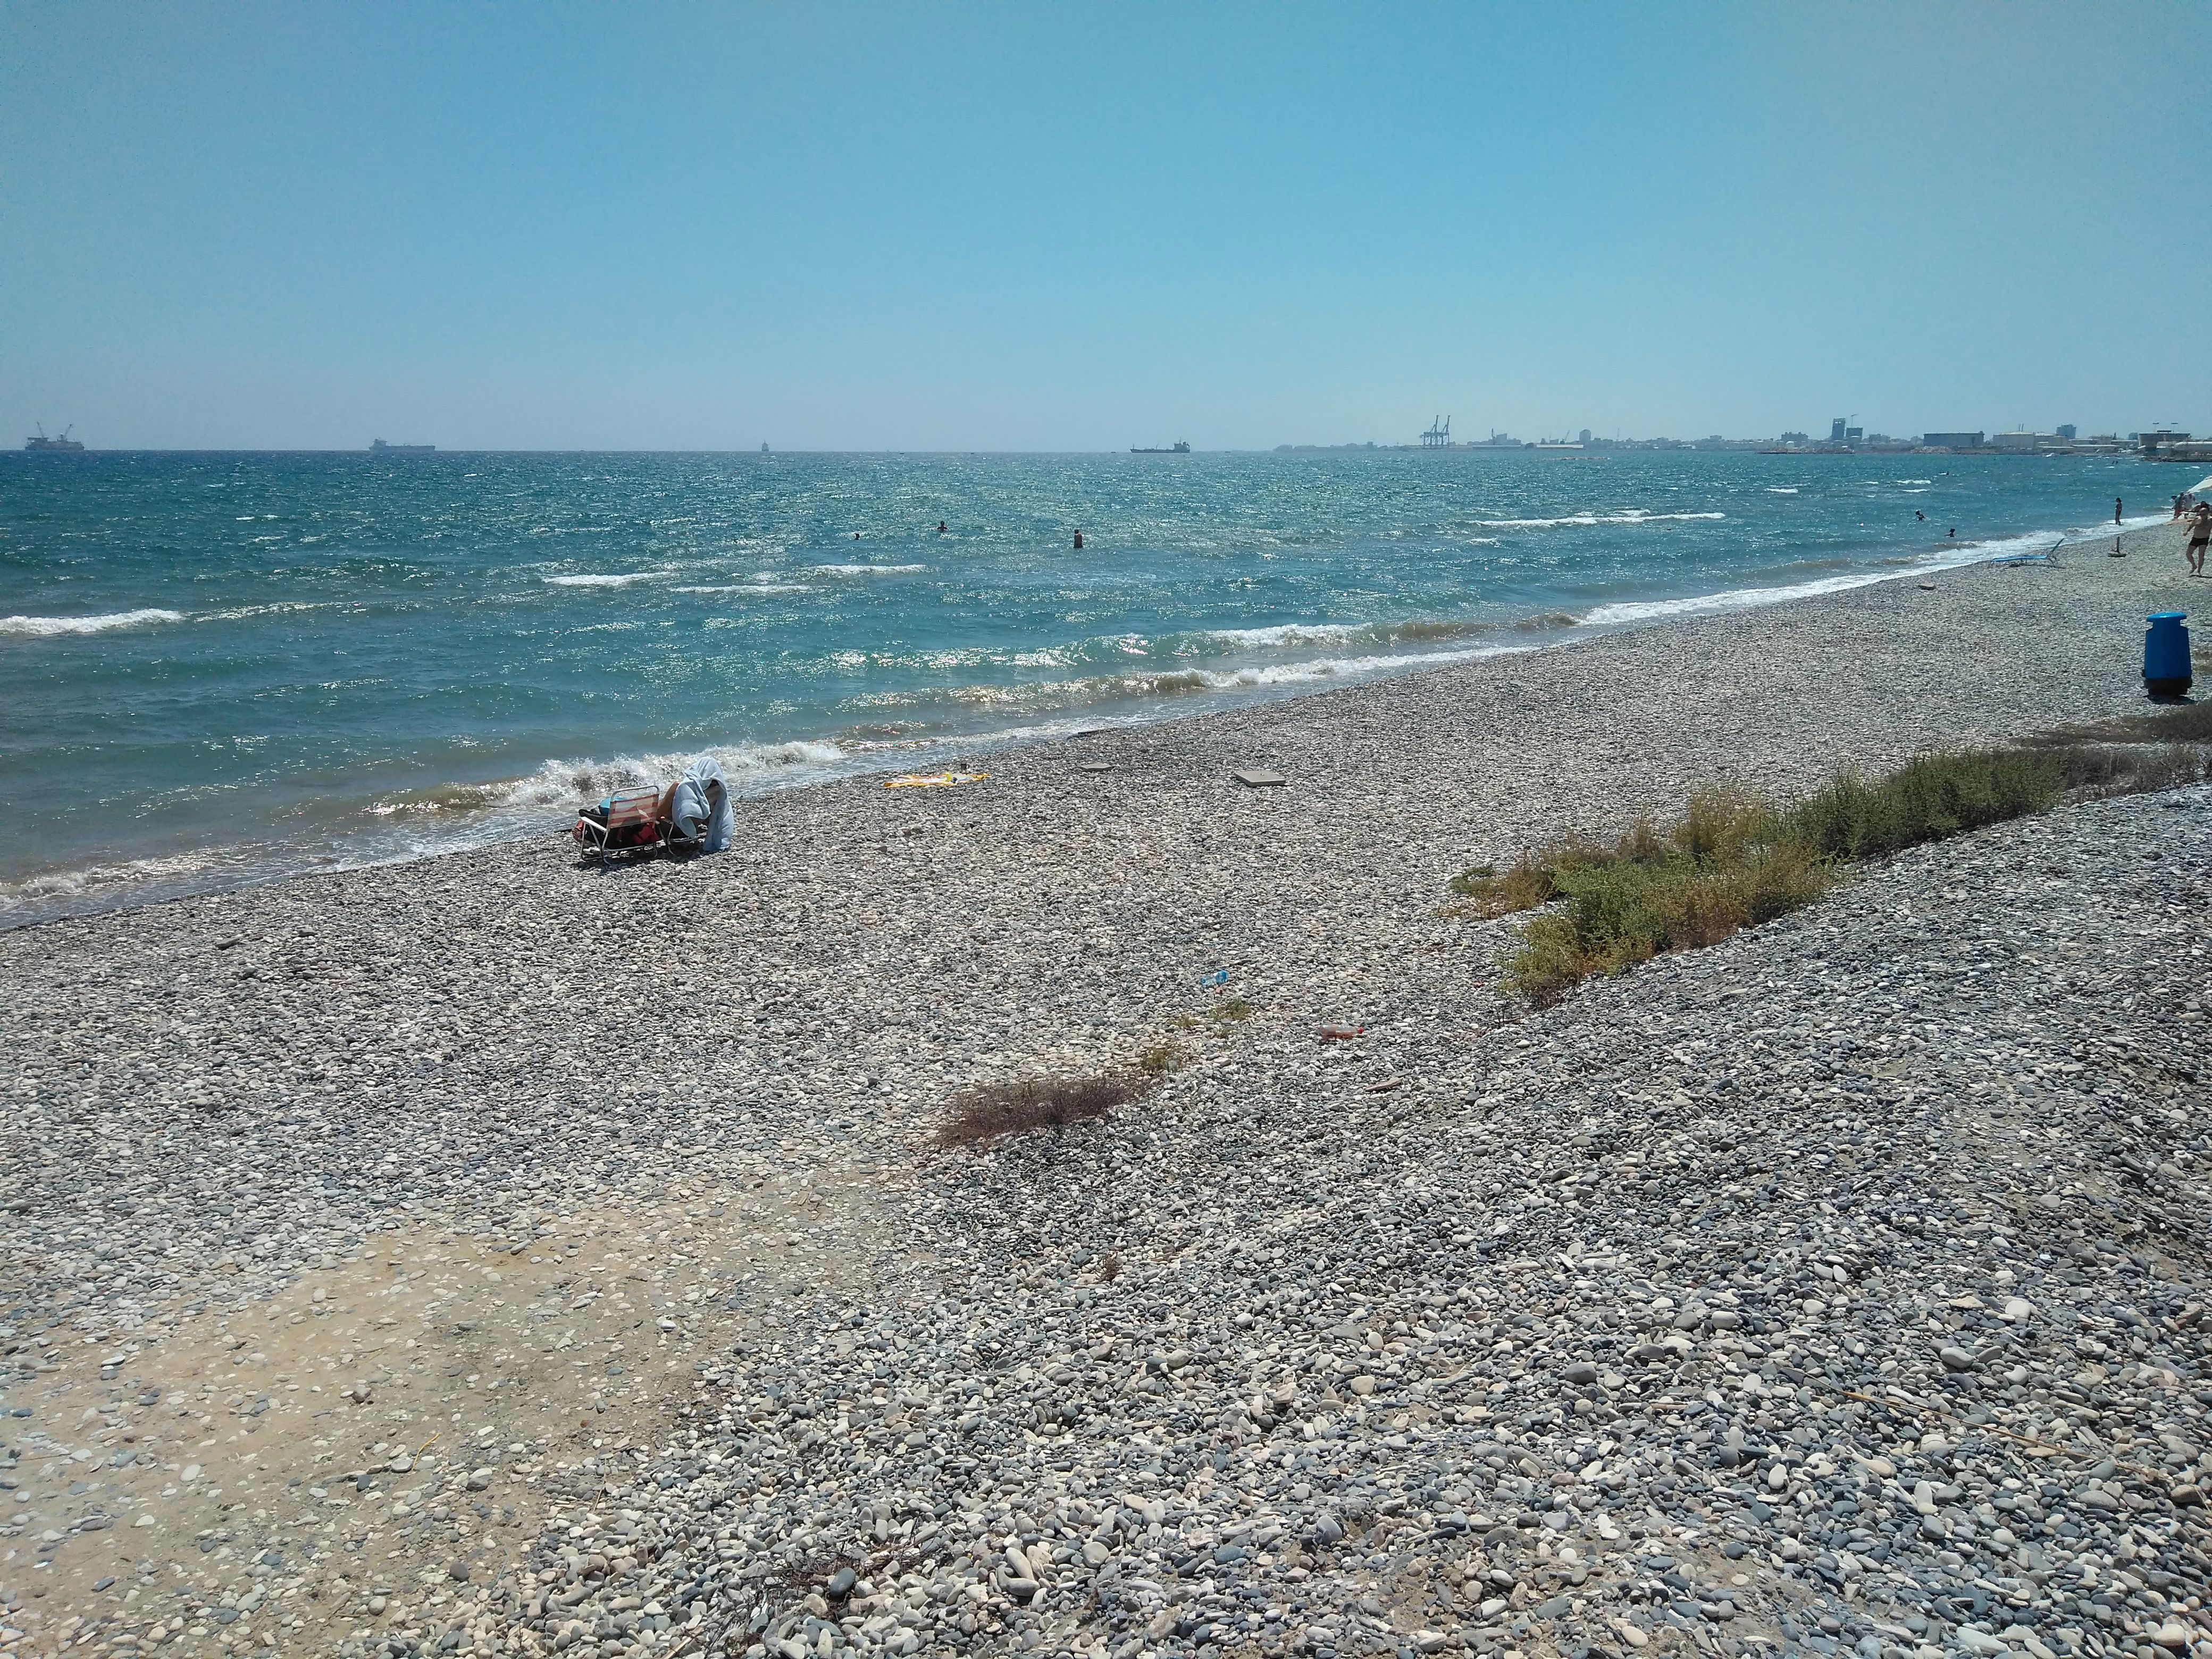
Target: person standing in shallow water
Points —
{"points": [[1078, 541], [2116, 509]]}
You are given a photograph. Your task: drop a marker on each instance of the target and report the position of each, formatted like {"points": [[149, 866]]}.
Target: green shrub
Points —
{"points": [[1925, 799], [2133, 768], [1162, 1058], [1732, 861], [1654, 895], [1488, 894]]}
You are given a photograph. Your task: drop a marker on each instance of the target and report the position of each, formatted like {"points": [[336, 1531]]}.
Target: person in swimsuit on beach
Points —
{"points": [[2200, 534], [2116, 509]]}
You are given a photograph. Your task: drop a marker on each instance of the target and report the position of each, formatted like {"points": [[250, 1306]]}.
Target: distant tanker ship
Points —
{"points": [[64, 445], [381, 447], [1173, 449]]}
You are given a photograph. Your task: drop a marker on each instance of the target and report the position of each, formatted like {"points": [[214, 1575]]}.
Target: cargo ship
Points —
{"points": [[64, 445], [381, 447], [1172, 449]]}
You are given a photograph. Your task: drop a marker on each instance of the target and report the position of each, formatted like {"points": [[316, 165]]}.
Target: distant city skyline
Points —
{"points": [[994, 227], [1983, 438], [2062, 436]]}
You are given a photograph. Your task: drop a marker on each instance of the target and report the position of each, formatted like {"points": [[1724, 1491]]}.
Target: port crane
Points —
{"points": [[1438, 436]]}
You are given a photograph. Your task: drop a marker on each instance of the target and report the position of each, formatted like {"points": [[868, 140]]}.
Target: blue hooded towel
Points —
{"points": [[703, 799]]}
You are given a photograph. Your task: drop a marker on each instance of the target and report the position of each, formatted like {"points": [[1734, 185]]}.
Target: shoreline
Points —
{"points": [[175, 875], [440, 1229]]}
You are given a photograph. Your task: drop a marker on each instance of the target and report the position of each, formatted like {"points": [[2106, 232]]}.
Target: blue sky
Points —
{"points": [[1052, 227]]}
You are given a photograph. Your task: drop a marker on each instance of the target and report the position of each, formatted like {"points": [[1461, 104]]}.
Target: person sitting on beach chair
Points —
{"points": [[695, 810], [692, 813]]}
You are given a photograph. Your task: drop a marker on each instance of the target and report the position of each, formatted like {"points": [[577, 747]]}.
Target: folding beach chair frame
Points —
{"points": [[629, 807]]}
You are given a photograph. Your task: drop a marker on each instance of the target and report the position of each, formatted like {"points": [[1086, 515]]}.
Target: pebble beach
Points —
{"points": [[503, 1253]]}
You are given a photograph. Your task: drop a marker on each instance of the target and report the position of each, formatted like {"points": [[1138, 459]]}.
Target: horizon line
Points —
{"points": [[1814, 446]]}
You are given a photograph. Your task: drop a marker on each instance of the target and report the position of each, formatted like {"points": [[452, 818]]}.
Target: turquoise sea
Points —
{"points": [[216, 668]]}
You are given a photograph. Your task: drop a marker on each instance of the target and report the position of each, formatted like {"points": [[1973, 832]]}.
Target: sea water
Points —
{"points": [[217, 668]]}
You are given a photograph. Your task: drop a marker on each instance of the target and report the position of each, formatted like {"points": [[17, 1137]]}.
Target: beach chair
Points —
{"points": [[625, 823]]}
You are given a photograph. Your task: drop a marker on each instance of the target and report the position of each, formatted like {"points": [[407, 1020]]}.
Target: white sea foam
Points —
{"points": [[1265, 675], [50, 627], [1286, 634], [593, 579], [2033, 544], [1634, 515], [1735, 599], [566, 783], [1339, 668], [745, 588], [868, 569], [1379, 633], [247, 612], [1782, 489], [68, 884]]}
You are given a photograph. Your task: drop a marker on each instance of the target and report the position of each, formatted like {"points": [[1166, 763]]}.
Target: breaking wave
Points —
{"points": [[1038, 695], [744, 587], [1286, 633], [595, 580], [51, 627], [2037, 543], [868, 570], [1735, 599], [1327, 668], [566, 783], [1415, 631], [120, 883], [1634, 515], [57, 881]]}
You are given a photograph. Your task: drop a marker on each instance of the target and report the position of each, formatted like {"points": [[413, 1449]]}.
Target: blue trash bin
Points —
{"points": [[2165, 655]]}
